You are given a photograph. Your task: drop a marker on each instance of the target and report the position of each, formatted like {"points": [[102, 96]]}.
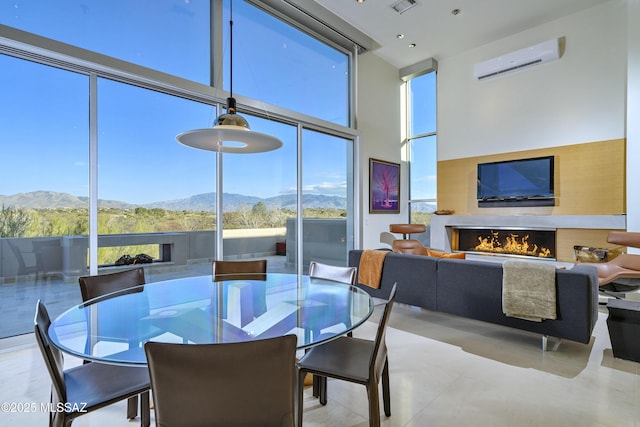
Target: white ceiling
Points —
{"points": [[437, 32]]}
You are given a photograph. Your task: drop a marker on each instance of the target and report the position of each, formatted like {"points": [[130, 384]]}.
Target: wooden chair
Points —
{"points": [[87, 387], [352, 359], [248, 383], [108, 285]]}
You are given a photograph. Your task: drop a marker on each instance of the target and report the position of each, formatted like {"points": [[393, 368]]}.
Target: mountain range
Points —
{"points": [[198, 202]]}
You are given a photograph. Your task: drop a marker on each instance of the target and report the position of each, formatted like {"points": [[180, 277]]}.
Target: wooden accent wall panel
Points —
{"points": [[566, 238], [589, 180]]}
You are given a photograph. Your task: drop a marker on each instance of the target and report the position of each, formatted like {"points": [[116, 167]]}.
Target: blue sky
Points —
{"points": [[44, 111]]}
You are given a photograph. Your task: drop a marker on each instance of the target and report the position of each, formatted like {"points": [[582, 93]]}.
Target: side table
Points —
{"points": [[624, 328]]}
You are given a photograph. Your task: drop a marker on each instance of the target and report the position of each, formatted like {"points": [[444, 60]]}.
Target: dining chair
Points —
{"points": [[88, 387], [244, 270], [355, 360], [237, 268], [338, 274], [249, 383], [109, 285]]}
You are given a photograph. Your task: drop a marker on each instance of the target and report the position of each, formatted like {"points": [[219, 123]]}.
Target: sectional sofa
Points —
{"points": [[473, 289]]}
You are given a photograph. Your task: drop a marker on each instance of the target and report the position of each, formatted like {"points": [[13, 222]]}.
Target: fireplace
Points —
{"points": [[535, 243]]}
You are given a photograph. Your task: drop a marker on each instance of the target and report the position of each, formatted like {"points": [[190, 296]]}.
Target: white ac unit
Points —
{"points": [[537, 54]]}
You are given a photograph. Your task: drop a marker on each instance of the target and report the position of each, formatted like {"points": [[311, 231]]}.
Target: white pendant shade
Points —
{"points": [[229, 139], [230, 132]]}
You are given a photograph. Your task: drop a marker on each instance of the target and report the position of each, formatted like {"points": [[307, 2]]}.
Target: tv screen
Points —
{"points": [[516, 179]]}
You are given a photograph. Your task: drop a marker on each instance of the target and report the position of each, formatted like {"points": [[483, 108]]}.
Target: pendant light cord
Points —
{"points": [[231, 48]]}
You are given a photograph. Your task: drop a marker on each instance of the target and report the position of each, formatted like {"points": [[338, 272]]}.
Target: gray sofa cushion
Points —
{"points": [[474, 289], [415, 276]]}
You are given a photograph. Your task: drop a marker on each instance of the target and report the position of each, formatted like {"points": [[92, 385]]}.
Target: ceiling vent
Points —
{"points": [[402, 6], [534, 55]]}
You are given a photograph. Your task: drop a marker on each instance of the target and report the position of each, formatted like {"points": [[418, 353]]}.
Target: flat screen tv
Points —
{"points": [[523, 182]]}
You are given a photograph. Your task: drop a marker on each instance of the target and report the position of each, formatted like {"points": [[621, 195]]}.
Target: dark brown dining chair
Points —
{"points": [[248, 383], [88, 387], [236, 269], [352, 359], [337, 274], [113, 284], [346, 275], [244, 270]]}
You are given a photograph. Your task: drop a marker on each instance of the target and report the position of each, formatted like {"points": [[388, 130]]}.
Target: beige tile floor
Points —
{"points": [[445, 371]]}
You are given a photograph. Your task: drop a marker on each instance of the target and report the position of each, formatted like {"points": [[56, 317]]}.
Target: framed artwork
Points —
{"points": [[384, 186]]}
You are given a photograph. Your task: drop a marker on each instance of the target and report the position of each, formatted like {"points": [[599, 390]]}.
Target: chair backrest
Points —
{"points": [[238, 384], [331, 272], [232, 270], [110, 285], [53, 358], [387, 238], [624, 238], [96, 286], [409, 246], [379, 354]]}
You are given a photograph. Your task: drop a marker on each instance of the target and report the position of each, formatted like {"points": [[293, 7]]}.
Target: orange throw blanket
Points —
{"points": [[370, 269]]}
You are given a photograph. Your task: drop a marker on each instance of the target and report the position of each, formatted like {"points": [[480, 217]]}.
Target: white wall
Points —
{"points": [[577, 99], [378, 120], [591, 93]]}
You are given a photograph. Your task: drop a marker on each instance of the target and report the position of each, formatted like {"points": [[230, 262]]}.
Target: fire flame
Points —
{"points": [[513, 245]]}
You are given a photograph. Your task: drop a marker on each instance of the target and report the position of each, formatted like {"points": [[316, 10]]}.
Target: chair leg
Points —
{"points": [[132, 407], [145, 410], [386, 395], [322, 390], [300, 408], [374, 404], [316, 386]]}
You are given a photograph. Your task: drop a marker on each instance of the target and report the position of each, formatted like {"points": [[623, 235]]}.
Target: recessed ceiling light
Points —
{"points": [[400, 36], [412, 45], [360, 1]]}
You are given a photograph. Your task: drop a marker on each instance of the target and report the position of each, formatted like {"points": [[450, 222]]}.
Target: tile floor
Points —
{"points": [[445, 371]]}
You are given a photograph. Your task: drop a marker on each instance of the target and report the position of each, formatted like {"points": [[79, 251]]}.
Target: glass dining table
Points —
{"points": [[199, 310]]}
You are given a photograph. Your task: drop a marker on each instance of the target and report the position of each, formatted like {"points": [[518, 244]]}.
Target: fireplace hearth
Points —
{"points": [[534, 243]]}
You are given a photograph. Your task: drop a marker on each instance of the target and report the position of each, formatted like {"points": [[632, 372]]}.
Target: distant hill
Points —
{"points": [[199, 202], [54, 200]]}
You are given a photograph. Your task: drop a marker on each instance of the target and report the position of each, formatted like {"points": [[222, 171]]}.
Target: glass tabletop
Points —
{"points": [[113, 328]]}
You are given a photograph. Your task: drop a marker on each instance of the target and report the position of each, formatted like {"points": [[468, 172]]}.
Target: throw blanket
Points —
{"points": [[529, 290], [370, 268]]}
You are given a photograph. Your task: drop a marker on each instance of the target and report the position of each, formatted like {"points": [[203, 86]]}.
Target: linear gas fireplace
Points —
{"points": [[536, 243]]}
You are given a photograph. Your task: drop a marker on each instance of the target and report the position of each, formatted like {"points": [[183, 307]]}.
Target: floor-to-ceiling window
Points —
{"points": [[327, 225], [150, 187], [109, 138], [43, 184], [422, 150]]}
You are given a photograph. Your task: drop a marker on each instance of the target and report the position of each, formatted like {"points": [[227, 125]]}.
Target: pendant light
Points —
{"points": [[230, 132]]}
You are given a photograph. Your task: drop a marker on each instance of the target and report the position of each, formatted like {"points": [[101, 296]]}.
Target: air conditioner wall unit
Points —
{"points": [[533, 55]]}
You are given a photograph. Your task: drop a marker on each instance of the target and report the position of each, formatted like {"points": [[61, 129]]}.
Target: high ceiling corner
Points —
{"points": [[438, 29]]}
